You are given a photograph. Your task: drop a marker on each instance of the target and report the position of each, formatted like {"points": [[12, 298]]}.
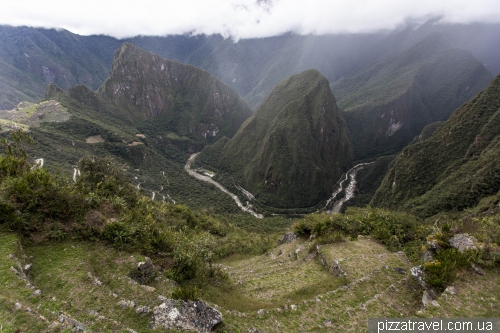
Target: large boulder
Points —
{"points": [[185, 315]]}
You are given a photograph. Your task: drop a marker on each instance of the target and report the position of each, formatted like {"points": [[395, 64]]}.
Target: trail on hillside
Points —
{"points": [[207, 179]]}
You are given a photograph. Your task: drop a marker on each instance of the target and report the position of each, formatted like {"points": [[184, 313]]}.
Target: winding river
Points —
{"points": [[349, 191], [337, 205], [207, 179]]}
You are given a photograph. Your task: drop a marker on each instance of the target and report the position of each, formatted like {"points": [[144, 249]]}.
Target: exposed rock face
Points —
{"points": [[463, 242], [185, 315], [179, 97], [287, 238]]}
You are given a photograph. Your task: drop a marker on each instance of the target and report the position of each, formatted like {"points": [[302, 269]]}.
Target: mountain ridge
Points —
{"points": [[452, 169], [294, 147]]}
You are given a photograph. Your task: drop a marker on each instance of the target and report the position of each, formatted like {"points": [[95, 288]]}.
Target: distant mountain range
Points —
{"points": [[31, 58], [111, 97], [388, 104]]}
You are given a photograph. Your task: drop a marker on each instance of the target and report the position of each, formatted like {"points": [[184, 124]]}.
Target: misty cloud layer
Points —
{"points": [[240, 18]]}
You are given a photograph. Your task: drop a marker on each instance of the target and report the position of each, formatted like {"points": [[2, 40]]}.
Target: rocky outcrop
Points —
{"points": [[144, 272], [335, 269], [463, 242], [185, 315], [287, 238]]}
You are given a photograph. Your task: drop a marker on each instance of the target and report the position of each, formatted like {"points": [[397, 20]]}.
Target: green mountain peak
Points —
{"points": [[292, 150]]}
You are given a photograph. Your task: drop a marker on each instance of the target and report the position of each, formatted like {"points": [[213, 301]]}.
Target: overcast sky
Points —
{"points": [[238, 18]]}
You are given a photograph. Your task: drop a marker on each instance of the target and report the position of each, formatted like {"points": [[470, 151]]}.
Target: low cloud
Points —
{"points": [[240, 18]]}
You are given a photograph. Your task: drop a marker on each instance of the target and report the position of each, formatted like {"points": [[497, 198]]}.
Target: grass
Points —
{"points": [[67, 273]]}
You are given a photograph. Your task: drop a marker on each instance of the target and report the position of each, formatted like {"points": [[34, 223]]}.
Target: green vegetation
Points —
{"points": [[291, 151], [103, 205], [454, 168]]}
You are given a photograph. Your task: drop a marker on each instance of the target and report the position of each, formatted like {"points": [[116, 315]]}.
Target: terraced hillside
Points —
{"points": [[287, 289]]}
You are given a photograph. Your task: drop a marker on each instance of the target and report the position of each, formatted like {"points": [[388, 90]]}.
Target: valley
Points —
{"points": [[279, 184]]}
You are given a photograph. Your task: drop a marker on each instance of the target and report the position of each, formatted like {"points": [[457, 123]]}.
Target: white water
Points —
{"points": [[349, 191]]}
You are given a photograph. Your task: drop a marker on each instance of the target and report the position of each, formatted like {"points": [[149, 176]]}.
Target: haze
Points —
{"points": [[240, 18]]}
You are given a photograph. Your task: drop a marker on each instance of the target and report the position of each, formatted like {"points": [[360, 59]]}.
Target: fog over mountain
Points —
{"points": [[240, 18]]}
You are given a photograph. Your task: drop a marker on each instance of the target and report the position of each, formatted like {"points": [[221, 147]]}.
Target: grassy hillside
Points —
{"points": [[455, 167], [292, 150]]}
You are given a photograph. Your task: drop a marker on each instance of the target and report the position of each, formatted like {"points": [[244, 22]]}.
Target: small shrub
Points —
{"points": [[442, 271], [185, 293]]}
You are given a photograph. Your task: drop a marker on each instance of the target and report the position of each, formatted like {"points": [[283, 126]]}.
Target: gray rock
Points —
{"points": [[37, 292], [261, 312], [399, 270], [463, 242], [185, 315], [477, 269], [293, 307], [143, 309], [252, 330], [433, 243], [428, 256], [145, 272], [287, 238], [127, 304], [27, 269], [418, 274], [450, 290], [336, 269], [393, 288], [70, 322], [328, 323], [428, 299]]}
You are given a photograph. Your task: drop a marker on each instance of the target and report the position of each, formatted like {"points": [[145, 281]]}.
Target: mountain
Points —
{"points": [[292, 150], [389, 103], [148, 115], [455, 167], [252, 67], [32, 58], [171, 96]]}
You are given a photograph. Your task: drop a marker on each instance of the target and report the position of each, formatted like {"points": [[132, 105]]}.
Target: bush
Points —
{"points": [[185, 293], [441, 272]]}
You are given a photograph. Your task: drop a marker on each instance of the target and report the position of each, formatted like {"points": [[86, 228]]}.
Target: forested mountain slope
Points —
{"points": [[292, 150], [454, 168]]}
